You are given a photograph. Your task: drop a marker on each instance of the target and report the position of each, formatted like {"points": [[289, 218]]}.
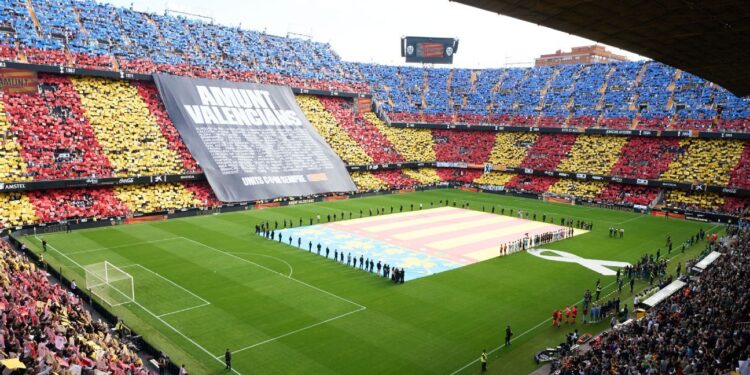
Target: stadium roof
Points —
{"points": [[710, 39]]}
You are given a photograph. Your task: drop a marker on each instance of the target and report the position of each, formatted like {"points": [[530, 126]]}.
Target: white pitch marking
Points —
{"points": [[173, 283], [121, 246], [272, 271], [291, 269], [293, 332], [149, 312]]}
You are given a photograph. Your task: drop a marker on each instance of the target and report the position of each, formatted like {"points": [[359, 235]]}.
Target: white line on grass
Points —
{"points": [[631, 219], [292, 332], [121, 246], [173, 283], [272, 271], [548, 319], [185, 309], [149, 312], [522, 334], [291, 269]]}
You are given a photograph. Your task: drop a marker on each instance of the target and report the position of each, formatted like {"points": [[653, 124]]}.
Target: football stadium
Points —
{"points": [[183, 196]]}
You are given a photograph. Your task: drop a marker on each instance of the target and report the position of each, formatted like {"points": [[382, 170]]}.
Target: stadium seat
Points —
{"points": [[578, 188], [413, 144], [367, 136], [16, 209], [531, 184], [494, 178], [545, 154], [510, 149], [325, 123], [593, 154], [646, 158], [157, 197], [424, 176], [463, 146], [12, 166], [366, 181], [56, 139], [705, 161], [113, 106], [64, 204], [628, 194]]}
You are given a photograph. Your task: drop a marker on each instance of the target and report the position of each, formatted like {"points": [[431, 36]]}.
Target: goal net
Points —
{"points": [[111, 284]]}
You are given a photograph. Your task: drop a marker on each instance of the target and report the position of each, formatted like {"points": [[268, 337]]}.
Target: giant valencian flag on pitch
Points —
{"points": [[252, 140]]}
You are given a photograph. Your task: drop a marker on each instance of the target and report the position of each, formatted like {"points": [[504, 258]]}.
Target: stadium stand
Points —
{"points": [[12, 166], [511, 148], [682, 200], [16, 209], [325, 123], [395, 179], [413, 144], [582, 189], [547, 151], [693, 344], [64, 204], [112, 106], [705, 161], [494, 178], [154, 198], [56, 138], [628, 194], [466, 146], [424, 176], [593, 154], [51, 327], [367, 136], [366, 181], [531, 184], [646, 157]]}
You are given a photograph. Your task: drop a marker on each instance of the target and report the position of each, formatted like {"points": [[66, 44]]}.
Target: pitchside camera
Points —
{"points": [[428, 50]]}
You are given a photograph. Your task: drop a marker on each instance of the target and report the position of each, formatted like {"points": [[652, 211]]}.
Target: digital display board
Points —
{"points": [[428, 50]]}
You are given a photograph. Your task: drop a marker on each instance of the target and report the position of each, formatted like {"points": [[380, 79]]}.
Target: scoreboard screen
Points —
{"points": [[428, 50]]}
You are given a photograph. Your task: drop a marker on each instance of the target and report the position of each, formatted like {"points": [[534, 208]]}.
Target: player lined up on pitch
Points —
{"points": [[397, 275]]}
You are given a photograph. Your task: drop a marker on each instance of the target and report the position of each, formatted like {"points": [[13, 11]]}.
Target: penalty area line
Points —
{"points": [[148, 311]]}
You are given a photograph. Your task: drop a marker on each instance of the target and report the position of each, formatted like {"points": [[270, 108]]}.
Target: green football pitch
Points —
{"points": [[207, 283]]}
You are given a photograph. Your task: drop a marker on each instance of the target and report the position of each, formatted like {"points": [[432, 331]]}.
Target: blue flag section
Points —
{"points": [[252, 140]]}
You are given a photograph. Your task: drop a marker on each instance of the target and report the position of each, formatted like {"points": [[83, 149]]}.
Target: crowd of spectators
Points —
{"points": [[49, 329], [129, 135], [705, 161], [593, 154], [414, 144], [548, 150], [701, 329], [374, 143], [331, 131], [628, 194], [578, 188], [511, 148], [157, 197]]}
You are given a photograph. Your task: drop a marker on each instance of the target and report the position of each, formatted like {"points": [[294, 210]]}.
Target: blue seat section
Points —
{"points": [[642, 94], [652, 92], [84, 26], [606, 95]]}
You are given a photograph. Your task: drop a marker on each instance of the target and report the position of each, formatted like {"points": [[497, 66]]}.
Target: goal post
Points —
{"points": [[110, 283]]}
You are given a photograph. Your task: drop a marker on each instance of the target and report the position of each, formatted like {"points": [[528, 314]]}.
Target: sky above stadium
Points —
{"points": [[370, 31]]}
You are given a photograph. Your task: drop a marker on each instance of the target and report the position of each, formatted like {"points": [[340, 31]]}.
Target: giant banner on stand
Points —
{"points": [[252, 140]]}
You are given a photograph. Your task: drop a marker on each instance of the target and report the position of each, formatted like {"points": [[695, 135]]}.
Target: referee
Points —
{"points": [[228, 359]]}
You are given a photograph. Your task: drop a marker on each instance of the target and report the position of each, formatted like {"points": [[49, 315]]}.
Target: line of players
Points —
{"points": [[397, 275], [538, 239]]}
